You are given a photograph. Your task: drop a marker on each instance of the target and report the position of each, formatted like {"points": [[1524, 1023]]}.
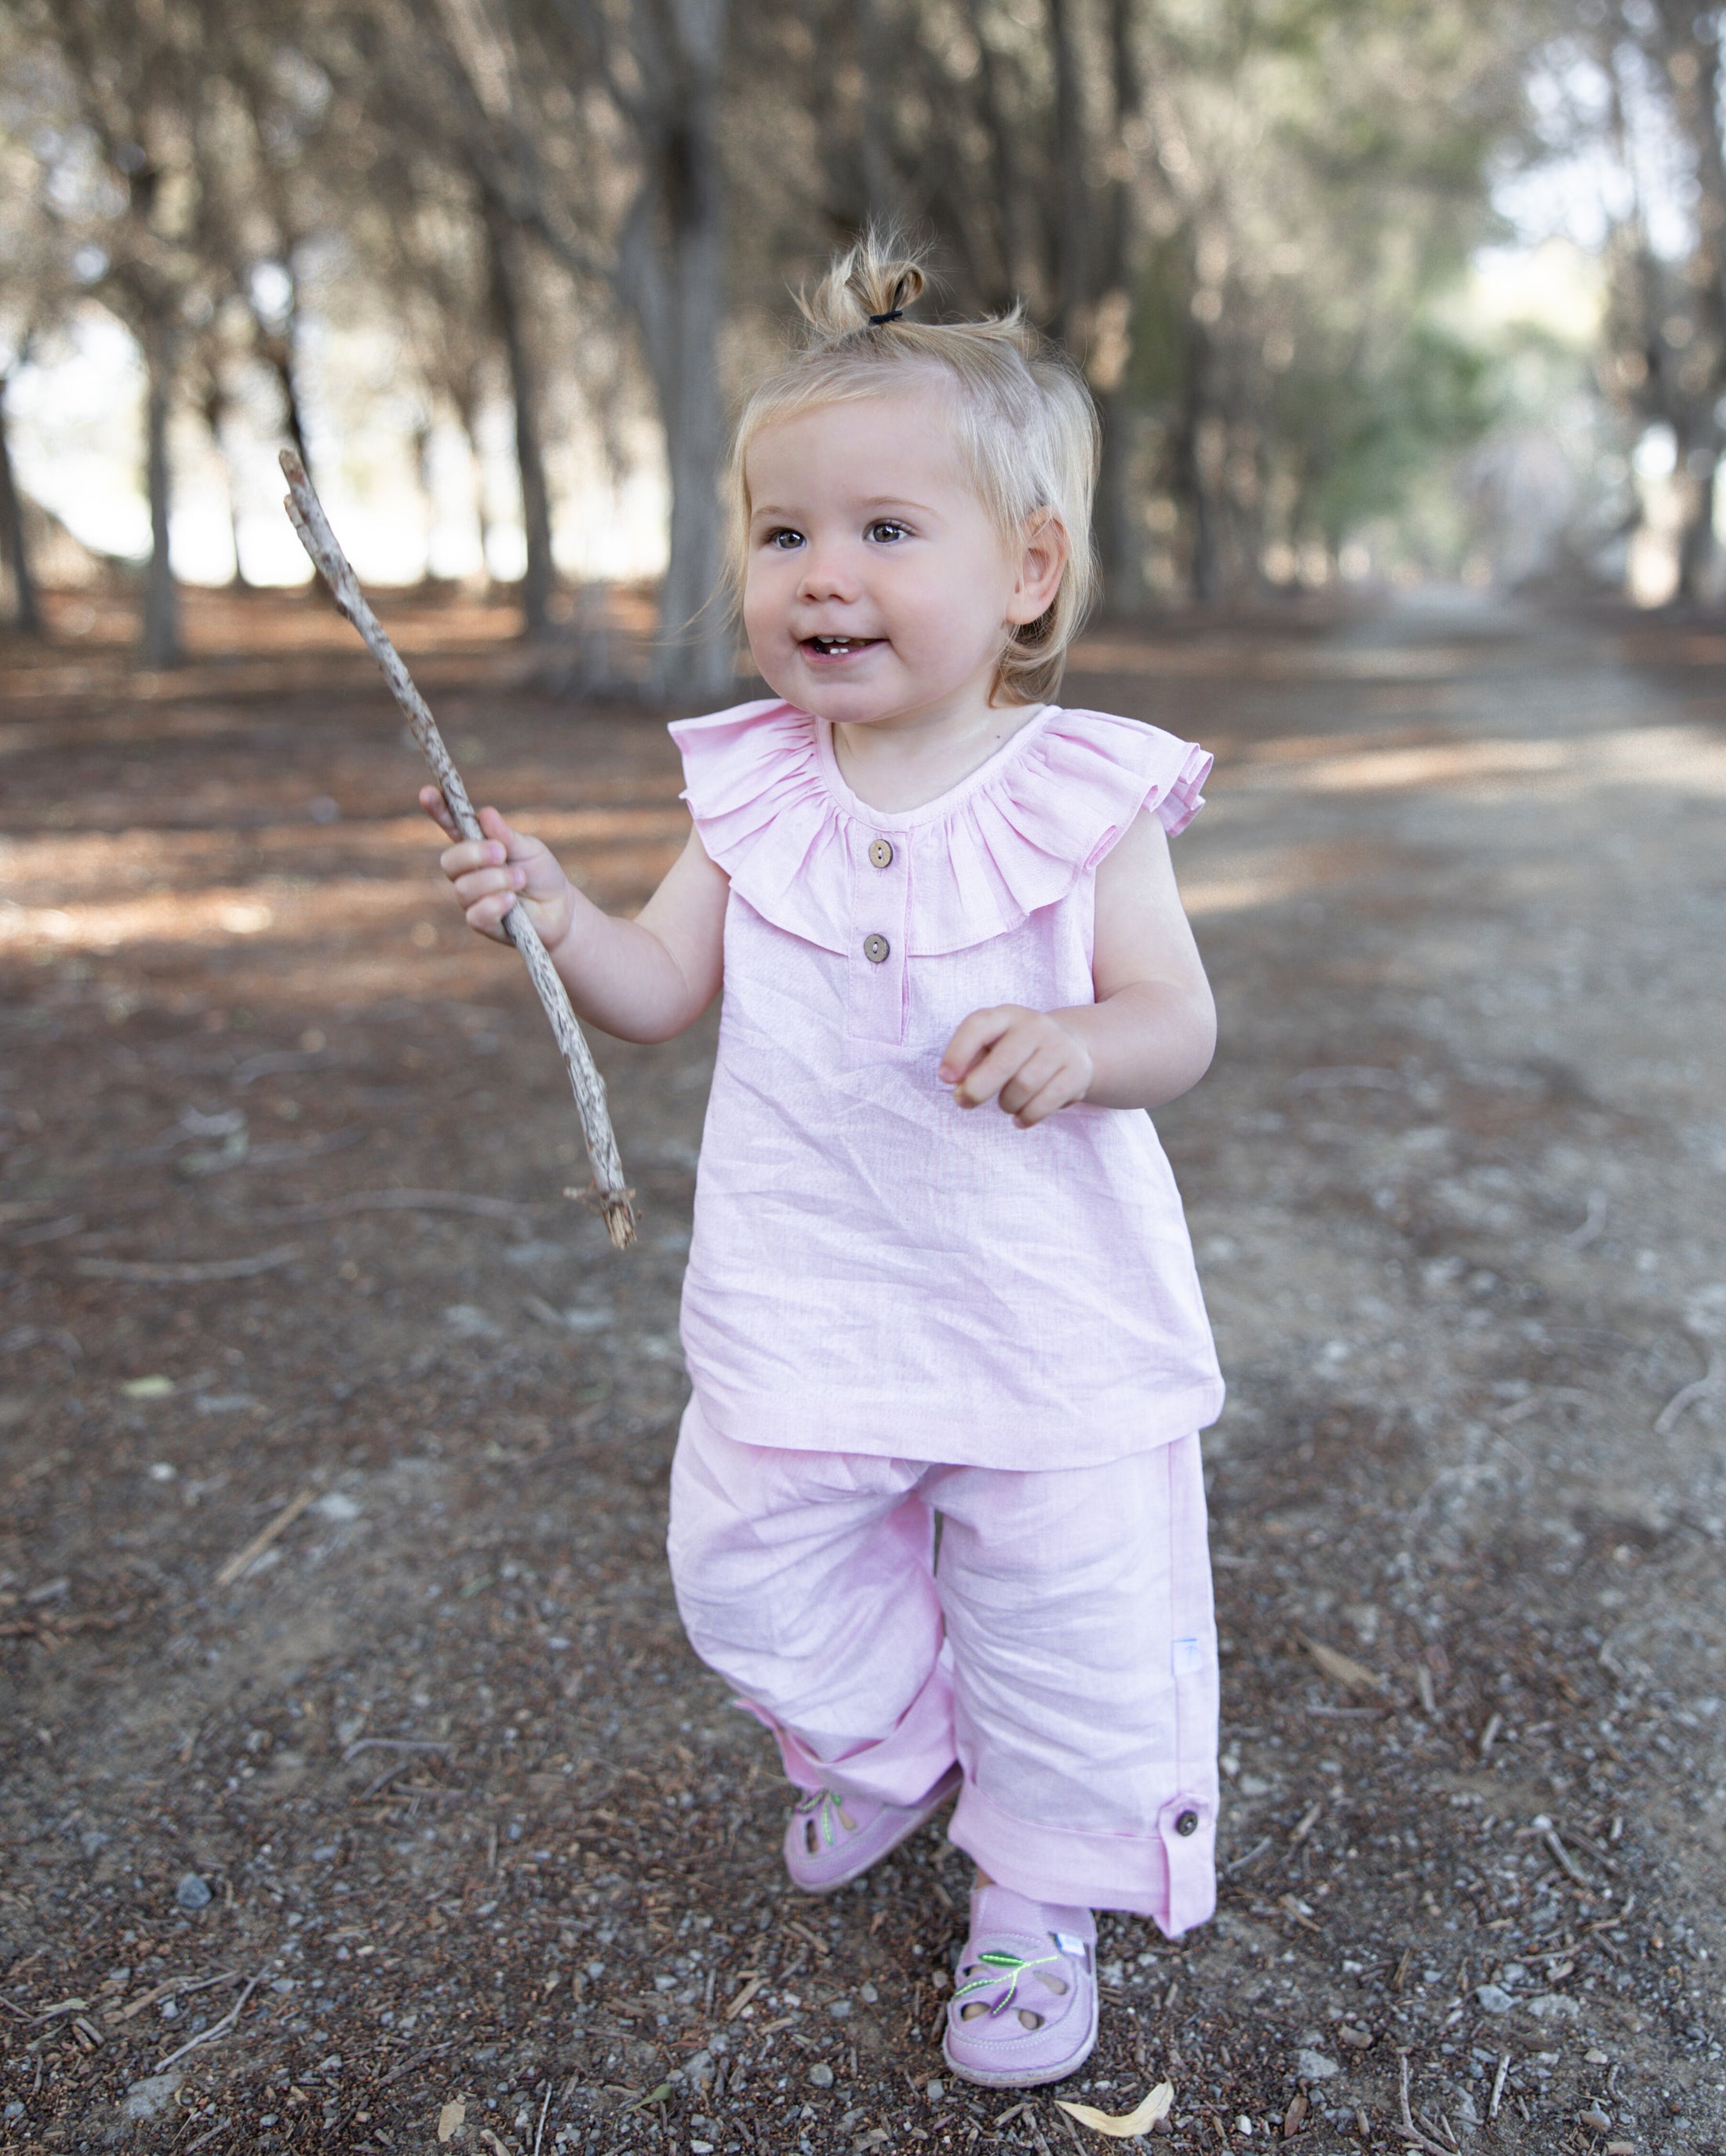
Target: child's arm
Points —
{"points": [[1149, 1035], [644, 979]]}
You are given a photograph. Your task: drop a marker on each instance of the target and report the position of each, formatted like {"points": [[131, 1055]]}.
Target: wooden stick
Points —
{"points": [[305, 513], [242, 1559]]}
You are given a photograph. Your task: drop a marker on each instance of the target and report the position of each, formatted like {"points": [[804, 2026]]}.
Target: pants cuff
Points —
{"points": [[1165, 1874], [897, 1769]]}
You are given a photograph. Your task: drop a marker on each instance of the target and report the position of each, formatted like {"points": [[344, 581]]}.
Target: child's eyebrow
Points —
{"points": [[882, 505]]}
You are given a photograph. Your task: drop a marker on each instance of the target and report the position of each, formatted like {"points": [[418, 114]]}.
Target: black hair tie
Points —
{"points": [[896, 313]]}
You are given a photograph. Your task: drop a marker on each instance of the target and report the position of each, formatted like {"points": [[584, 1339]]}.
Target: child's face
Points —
{"points": [[878, 587]]}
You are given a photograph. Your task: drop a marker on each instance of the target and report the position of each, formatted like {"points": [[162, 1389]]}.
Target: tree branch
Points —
{"points": [[305, 512]]}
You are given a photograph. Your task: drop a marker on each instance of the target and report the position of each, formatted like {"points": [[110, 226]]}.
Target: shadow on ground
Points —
{"points": [[420, 1825]]}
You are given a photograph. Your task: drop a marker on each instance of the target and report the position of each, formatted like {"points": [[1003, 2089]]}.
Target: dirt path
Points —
{"points": [[436, 1770]]}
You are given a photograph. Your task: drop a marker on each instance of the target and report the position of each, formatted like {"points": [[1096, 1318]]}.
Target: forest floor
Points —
{"points": [[422, 1827]]}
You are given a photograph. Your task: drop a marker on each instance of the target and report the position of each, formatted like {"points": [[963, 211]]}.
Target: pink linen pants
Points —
{"points": [[1063, 1650]]}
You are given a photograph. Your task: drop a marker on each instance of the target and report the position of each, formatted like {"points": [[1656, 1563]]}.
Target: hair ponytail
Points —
{"points": [[868, 287]]}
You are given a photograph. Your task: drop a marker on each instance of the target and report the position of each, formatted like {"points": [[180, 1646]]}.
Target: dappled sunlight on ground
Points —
{"points": [[285, 1254]]}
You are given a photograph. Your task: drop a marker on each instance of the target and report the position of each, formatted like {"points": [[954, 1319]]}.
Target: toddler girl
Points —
{"points": [[939, 1265]]}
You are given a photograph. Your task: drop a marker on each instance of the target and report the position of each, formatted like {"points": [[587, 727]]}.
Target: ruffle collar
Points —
{"points": [[774, 811]]}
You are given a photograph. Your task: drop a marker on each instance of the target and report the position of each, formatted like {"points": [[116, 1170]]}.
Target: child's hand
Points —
{"points": [[1026, 1059], [491, 874]]}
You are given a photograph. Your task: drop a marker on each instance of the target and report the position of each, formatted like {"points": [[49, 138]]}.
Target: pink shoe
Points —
{"points": [[1024, 2009], [831, 1840]]}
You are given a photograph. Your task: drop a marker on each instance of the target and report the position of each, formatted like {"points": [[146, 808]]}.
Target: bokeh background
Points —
{"points": [[357, 1789], [1369, 292]]}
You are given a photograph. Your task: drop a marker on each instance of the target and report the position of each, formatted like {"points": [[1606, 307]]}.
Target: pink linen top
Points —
{"points": [[874, 1269]]}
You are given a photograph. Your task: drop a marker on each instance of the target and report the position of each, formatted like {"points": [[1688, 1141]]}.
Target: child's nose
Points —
{"points": [[827, 574]]}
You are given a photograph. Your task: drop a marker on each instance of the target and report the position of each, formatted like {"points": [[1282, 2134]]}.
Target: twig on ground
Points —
{"points": [[1565, 1861], [242, 1560], [407, 2065], [1308, 1820], [1590, 1226], [1251, 1856], [1406, 2127], [306, 514], [1709, 1383], [402, 1201], [216, 2028], [539, 2132], [1498, 2079], [395, 1744], [175, 1988], [189, 1274]]}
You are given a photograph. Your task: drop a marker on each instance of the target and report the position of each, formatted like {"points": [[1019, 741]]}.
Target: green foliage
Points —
{"points": [[1371, 434]]}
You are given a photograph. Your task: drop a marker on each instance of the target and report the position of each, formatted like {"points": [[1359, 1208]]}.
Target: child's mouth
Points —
{"points": [[830, 648]]}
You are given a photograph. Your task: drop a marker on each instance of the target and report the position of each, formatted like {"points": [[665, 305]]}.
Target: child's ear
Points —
{"points": [[1041, 565]]}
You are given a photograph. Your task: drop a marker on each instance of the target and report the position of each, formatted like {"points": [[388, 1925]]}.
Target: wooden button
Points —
{"points": [[1188, 1823], [881, 852], [877, 949]]}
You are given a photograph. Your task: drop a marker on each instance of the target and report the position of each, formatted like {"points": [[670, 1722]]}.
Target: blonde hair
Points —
{"points": [[1027, 430]]}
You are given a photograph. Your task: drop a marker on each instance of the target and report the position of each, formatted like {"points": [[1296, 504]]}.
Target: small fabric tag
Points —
{"points": [[1069, 1945]]}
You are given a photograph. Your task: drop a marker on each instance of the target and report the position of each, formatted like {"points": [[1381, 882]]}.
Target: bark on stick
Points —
{"points": [[306, 514]]}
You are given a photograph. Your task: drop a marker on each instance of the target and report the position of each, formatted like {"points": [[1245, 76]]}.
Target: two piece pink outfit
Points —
{"points": [[896, 1308]]}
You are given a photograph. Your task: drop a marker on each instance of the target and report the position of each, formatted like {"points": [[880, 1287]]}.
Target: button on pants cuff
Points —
{"points": [[1171, 1880]]}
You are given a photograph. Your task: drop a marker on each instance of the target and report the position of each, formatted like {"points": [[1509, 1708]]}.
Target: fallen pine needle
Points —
{"points": [[406, 1201], [174, 1273], [1666, 1420], [1125, 2126], [242, 1559], [1309, 1819], [1342, 1669]]}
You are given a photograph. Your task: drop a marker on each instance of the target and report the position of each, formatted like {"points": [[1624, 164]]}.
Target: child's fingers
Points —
{"points": [[998, 1068], [486, 913], [973, 1038], [1058, 1093], [487, 882], [1045, 1065], [492, 824], [431, 800]]}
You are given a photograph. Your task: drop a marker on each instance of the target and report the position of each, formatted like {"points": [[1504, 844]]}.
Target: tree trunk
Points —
{"points": [[874, 54], [26, 613], [161, 599], [1004, 163], [509, 316], [1698, 474], [671, 276], [278, 348], [1071, 279], [1192, 479], [215, 406], [1120, 537], [1116, 262]]}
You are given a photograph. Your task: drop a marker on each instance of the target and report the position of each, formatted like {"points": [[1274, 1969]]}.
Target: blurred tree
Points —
{"points": [[596, 125], [126, 178], [1659, 61], [34, 288], [1194, 199]]}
